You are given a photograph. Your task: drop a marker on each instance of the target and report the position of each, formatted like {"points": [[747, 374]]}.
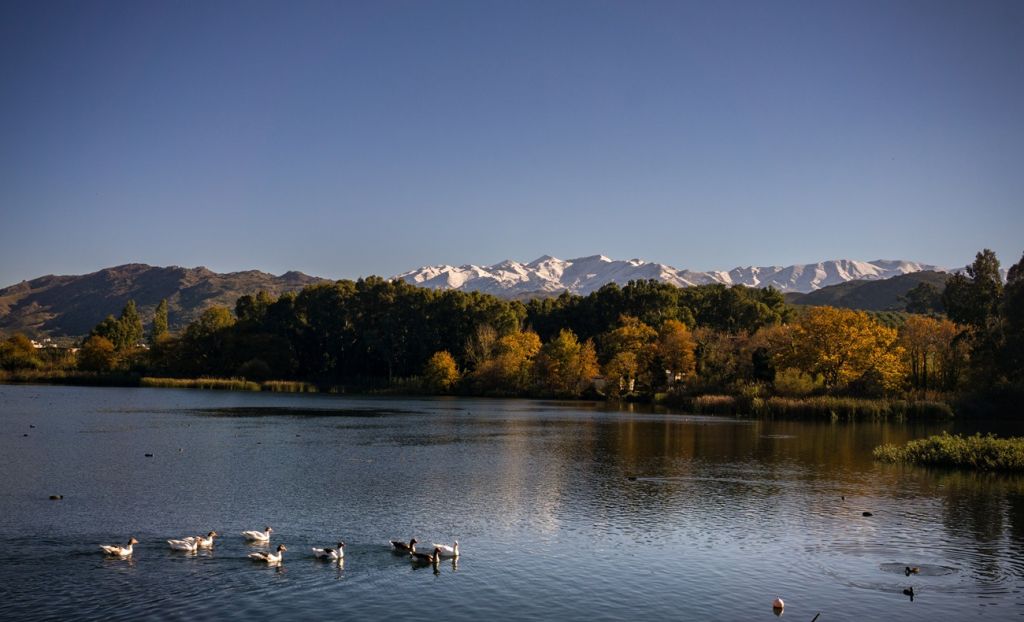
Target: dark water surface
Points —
{"points": [[723, 514]]}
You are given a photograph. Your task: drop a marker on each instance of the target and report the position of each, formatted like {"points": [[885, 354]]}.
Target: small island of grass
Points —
{"points": [[983, 453]]}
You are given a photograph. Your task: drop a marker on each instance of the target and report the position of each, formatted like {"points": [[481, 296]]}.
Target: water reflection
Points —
{"points": [[699, 514]]}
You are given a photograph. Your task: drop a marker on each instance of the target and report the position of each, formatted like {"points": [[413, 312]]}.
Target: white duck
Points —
{"points": [[337, 554], [189, 544], [447, 551], [120, 551], [270, 558], [258, 536], [204, 543]]}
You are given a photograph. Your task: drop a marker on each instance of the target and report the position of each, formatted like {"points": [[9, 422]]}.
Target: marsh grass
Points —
{"points": [[222, 384], [983, 453], [817, 407]]}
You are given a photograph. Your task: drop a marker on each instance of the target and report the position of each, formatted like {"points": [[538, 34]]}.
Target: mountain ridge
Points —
{"points": [[583, 275]]}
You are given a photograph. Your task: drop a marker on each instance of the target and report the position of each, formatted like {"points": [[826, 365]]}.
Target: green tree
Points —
{"points": [[924, 298], [160, 325], [972, 298]]}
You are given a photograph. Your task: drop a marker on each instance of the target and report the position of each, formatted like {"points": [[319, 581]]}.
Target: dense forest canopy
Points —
{"points": [[642, 338]]}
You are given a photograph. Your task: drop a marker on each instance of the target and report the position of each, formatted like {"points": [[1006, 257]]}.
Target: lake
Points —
{"points": [[563, 510]]}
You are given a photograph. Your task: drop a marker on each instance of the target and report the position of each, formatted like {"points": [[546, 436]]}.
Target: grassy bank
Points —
{"points": [[983, 453], [819, 407]]}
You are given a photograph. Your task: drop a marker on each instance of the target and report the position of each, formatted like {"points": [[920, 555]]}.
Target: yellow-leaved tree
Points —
{"points": [[507, 369], [440, 373], [565, 366], [844, 347]]}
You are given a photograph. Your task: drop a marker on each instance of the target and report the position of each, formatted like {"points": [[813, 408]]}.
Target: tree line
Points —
{"points": [[640, 339]]}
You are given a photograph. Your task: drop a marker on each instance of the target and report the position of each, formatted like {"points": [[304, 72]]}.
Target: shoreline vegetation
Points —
{"points": [[978, 452], [708, 349]]}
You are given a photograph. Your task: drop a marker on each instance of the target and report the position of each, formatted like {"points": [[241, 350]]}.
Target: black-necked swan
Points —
{"points": [[258, 536], [331, 554], [120, 551], [270, 558]]}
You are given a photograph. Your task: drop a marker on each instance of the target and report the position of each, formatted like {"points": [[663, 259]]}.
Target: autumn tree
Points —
{"points": [[676, 350], [631, 350], [844, 346], [440, 373], [17, 353], [934, 359], [97, 354], [508, 370], [565, 366]]}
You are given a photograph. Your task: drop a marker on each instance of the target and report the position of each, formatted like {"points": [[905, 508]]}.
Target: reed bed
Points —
{"points": [[983, 453], [288, 386], [817, 407], [220, 384]]}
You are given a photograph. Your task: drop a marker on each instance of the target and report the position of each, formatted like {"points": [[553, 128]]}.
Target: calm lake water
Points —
{"points": [[723, 516]]}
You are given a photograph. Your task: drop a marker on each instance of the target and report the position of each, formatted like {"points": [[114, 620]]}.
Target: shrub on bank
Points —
{"points": [[985, 453]]}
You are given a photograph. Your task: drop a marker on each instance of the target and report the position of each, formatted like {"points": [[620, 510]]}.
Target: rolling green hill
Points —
{"points": [[62, 306], [884, 295]]}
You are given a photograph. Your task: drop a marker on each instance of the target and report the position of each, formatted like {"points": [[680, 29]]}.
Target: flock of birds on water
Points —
{"points": [[193, 544]]}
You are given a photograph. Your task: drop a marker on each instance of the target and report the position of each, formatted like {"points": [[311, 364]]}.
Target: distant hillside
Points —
{"points": [[72, 305], [870, 295]]}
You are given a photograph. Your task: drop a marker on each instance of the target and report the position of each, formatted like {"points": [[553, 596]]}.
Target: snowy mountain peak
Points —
{"points": [[548, 274]]}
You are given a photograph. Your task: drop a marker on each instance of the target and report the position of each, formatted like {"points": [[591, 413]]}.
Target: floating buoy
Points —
{"points": [[866, 514], [778, 604]]}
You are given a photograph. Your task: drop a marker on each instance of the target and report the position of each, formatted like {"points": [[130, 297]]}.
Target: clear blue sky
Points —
{"points": [[345, 139]]}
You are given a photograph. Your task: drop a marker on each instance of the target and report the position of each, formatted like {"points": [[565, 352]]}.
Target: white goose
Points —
{"points": [[258, 536], [337, 554], [120, 551], [189, 544], [269, 558], [447, 551], [204, 543]]}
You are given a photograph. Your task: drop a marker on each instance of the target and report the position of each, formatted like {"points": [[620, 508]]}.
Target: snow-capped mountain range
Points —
{"points": [[549, 275]]}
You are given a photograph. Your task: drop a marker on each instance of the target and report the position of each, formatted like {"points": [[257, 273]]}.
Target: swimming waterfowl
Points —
{"points": [[270, 558], [330, 554], [189, 544], [447, 551], [204, 543], [909, 592], [402, 547], [258, 536], [912, 570], [423, 558], [120, 551]]}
